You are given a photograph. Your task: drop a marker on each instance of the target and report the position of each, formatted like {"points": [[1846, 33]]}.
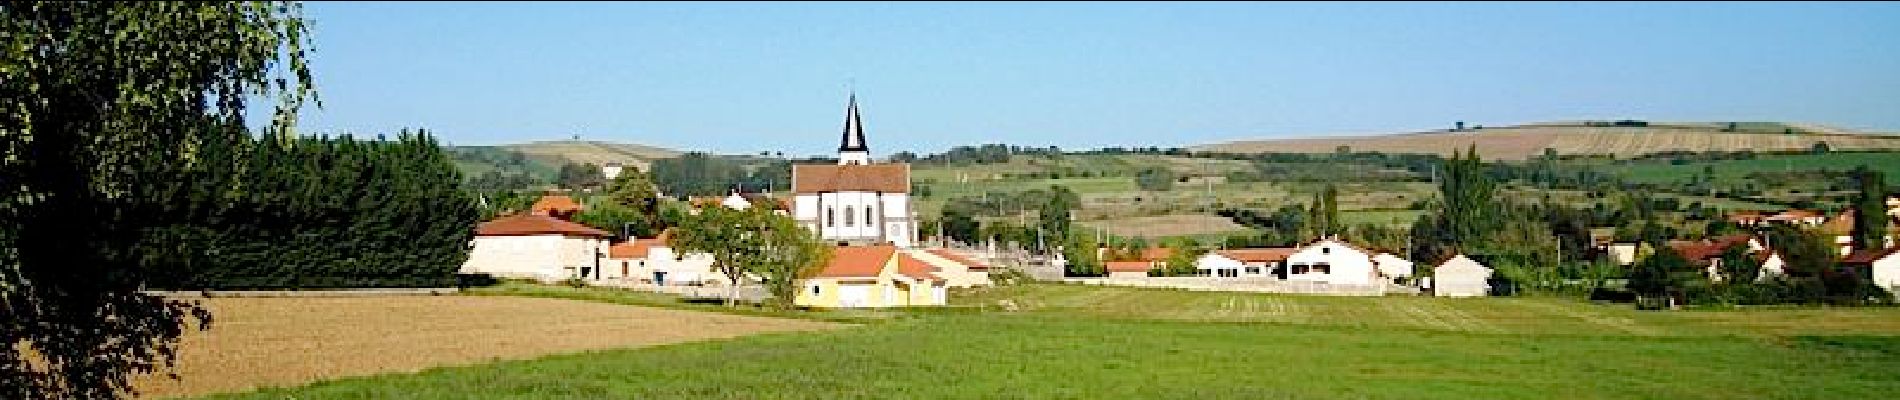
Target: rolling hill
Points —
{"points": [[1524, 141], [586, 152]]}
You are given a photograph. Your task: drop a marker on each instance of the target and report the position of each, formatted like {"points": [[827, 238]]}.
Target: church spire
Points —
{"points": [[853, 128]]}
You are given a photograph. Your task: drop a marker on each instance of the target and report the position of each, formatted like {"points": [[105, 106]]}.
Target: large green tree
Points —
{"points": [[101, 97], [1056, 213], [1870, 209], [787, 255]]}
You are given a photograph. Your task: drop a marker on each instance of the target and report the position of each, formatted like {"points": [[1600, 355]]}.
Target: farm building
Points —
{"points": [[652, 261], [1882, 265], [535, 246], [1128, 269], [873, 277], [1461, 276], [1245, 262]]}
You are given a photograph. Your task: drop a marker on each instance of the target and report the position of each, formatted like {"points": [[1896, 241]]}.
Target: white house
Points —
{"points": [[1461, 277], [1331, 261], [611, 170], [652, 261], [1392, 266], [538, 247], [1884, 266], [1235, 263], [855, 201]]}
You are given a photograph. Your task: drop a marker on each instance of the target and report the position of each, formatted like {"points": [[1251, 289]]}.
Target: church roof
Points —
{"points": [[853, 129], [886, 178]]}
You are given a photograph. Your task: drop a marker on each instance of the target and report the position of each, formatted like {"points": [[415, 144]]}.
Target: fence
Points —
{"points": [[1256, 285]]}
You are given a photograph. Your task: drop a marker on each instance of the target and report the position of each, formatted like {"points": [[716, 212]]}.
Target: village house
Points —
{"points": [[873, 277], [1392, 266], [1128, 269], [1461, 276], [1841, 229], [1332, 261], [651, 261], [536, 246], [1883, 266], [1707, 254], [855, 201], [1258, 262]]}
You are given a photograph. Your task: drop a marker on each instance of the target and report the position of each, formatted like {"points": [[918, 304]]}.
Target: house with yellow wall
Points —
{"points": [[873, 277]]}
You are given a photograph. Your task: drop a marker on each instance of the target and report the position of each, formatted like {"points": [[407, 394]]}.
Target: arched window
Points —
{"points": [[831, 217], [848, 216]]}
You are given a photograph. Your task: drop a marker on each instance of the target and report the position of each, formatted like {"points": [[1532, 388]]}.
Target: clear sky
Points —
{"points": [[749, 77]]}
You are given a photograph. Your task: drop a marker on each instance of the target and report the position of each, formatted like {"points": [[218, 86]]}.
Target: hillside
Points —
{"points": [[1524, 141], [585, 152]]}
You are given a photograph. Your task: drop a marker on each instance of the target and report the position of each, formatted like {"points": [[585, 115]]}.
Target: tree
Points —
{"points": [[578, 176], [725, 234], [1080, 251], [637, 194], [1738, 264], [102, 98], [1181, 256], [1820, 148], [1655, 276], [1056, 212], [959, 225], [1155, 179], [787, 255], [1870, 210]]}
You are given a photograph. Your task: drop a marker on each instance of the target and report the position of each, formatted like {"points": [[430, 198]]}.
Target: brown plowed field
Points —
{"points": [[286, 341]]}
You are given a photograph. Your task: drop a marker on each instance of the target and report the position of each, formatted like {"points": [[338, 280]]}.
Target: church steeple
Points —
{"points": [[852, 148]]}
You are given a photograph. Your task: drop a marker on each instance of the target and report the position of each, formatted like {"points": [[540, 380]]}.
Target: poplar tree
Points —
{"points": [[1870, 209]]}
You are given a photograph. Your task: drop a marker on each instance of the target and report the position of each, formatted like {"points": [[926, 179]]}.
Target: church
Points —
{"points": [[856, 201]]}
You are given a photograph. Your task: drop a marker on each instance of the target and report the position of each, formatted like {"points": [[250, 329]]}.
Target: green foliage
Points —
{"points": [[1080, 252], [1055, 214], [104, 103], [1870, 209], [579, 176], [754, 243], [697, 174], [1738, 265], [637, 194], [1657, 274], [315, 212], [959, 225], [1181, 257], [1155, 179]]}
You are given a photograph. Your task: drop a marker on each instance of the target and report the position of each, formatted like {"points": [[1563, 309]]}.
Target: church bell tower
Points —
{"points": [[852, 150]]}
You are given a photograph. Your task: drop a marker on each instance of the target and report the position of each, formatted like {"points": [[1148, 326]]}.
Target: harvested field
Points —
{"points": [[260, 342]]}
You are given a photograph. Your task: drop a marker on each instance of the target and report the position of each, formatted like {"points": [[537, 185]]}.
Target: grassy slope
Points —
{"points": [[1730, 170], [1091, 342]]}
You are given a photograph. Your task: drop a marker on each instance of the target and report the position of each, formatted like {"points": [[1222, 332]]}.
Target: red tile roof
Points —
{"points": [[554, 203], [1274, 254], [857, 261], [529, 224], [636, 248], [916, 269], [887, 178], [953, 257], [1129, 266]]}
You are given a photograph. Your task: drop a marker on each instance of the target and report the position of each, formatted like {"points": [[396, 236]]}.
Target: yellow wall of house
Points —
{"points": [[883, 291], [826, 296]]}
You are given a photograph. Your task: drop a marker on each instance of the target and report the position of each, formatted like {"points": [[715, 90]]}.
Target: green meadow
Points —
{"points": [[1068, 341]]}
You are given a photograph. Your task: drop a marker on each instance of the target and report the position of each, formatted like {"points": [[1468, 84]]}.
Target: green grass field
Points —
{"points": [[1065, 341], [1735, 170]]}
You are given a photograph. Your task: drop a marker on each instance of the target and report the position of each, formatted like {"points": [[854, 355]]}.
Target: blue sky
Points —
{"points": [[750, 77]]}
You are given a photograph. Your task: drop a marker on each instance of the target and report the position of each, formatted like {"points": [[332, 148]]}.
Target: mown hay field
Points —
{"points": [[258, 342]]}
